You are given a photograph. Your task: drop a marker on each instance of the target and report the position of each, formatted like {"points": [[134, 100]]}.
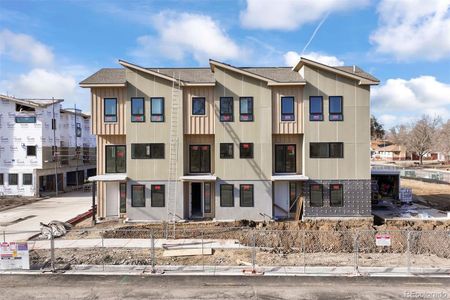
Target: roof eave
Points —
{"points": [[142, 69], [94, 85], [214, 63]]}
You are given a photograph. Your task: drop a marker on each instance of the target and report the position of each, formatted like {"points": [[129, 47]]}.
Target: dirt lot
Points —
{"points": [[11, 202], [430, 194]]}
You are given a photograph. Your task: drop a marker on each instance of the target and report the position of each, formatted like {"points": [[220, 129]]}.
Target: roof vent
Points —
{"points": [[354, 69]]}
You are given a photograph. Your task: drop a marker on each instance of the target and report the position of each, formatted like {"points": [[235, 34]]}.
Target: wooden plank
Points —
{"points": [[299, 210], [187, 252]]}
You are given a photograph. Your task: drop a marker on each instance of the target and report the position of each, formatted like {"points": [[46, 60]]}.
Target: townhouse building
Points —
{"points": [[40, 139], [230, 143]]}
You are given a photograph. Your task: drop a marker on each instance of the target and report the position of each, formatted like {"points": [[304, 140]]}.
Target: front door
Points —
{"points": [[112, 199], [281, 199], [196, 199]]}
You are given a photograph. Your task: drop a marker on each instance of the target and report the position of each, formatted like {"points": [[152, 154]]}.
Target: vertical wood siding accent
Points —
{"points": [[103, 140], [287, 127], [198, 124], [98, 126]]}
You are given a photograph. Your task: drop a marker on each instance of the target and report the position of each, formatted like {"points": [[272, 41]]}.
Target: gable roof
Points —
{"points": [[32, 102], [106, 76]]}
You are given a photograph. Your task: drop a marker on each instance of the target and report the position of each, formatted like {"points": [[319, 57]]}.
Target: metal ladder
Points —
{"points": [[173, 151]]}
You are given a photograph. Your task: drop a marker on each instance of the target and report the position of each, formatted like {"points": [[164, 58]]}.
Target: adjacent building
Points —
{"points": [[230, 142], [39, 139]]}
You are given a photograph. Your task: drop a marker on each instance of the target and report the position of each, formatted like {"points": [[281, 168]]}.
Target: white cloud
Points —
{"points": [[24, 48], [400, 100], [183, 34], [413, 29], [291, 14], [291, 58]]}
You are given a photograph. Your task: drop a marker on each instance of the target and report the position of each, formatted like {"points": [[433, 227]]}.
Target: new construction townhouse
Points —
{"points": [[39, 139], [231, 143]]}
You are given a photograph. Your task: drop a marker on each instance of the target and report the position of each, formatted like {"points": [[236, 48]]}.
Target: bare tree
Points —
{"points": [[421, 137], [443, 140], [399, 135]]}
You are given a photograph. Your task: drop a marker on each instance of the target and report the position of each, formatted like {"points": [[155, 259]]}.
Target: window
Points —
{"points": [[285, 159], [326, 150], [138, 195], [246, 150], [13, 179], [22, 108], [116, 161], [207, 197], [199, 159], [157, 109], [336, 195], [147, 151], [198, 106], [78, 130], [137, 110], [246, 109], [226, 195], [27, 179], [110, 110], [316, 108], [31, 150], [123, 197], [316, 195], [226, 109], [25, 119], [246, 195], [226, 150], [2, 180], [292, 196], [287, 109], [335, 109], [158, 195]]}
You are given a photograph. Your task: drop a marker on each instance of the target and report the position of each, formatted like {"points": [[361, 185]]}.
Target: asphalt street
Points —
{"points": [[220, 287]]}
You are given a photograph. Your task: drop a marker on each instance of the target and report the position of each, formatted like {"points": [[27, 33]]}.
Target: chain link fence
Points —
{"points": [[255, 250]]}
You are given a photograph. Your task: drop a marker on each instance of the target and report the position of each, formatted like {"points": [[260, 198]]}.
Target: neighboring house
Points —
{"points": [[229, 142], [29, 131], [391, 152]]}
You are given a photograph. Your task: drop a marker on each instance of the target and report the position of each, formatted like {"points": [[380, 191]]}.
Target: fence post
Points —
{"points": [[356, 252], [203, 256], [408, 250], [103, 252], [52, 251], [153, 271], [254, 252], [304, 250]]}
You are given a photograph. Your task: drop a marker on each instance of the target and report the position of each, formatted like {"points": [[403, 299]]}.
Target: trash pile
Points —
{"points": [[55, 229]]}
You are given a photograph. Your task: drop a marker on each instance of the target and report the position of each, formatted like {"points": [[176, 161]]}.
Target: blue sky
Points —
{"points": [[47, 47]]}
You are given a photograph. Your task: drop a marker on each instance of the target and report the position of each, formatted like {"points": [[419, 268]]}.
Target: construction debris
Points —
{"points": [[54, 228]]}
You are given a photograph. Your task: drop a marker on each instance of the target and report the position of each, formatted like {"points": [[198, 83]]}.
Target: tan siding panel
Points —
{"points": [[198, 124], [99, 127]]}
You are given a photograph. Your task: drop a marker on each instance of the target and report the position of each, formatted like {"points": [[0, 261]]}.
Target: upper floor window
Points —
{"points": [[246, 150], [157, 195], [316, 195], [137, 110], [147, 151], [226, 150], [246, 109], [246, 195], [285, 159], [110, 110], [336, 195], [198, 106], [115, 159], [157, 109], [199, 159], [316, 108], [336, 108], [226, 109], [287, 109], [31, 150], [326, 150], [25, 119]]}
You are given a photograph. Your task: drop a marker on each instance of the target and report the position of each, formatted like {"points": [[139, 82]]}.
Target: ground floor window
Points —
{"points": [[27, 179], [12, 179], [292, 196], [158, 195], [226, 195], [207, 197], [1, 180], [138, 195], [246, 195], [336, 195], [316, 195], [123, 197]]}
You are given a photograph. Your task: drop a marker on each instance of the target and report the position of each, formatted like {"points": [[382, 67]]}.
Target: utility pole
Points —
{"points": [[55, 160]]}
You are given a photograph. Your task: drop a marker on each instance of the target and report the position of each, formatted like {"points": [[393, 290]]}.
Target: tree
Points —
{"points": [[422, 136], [376, 129], [443, 140]]}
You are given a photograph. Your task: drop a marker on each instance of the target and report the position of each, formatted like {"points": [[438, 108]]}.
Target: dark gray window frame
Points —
{"points": [[232, 194], [329, 149], [203, 101], [311, 203], [151, 150], [10, 175], [336, 116], [159, 115], [342, 194], [248, 116], [105, 115], [226, 145], [27, 182], [133, 192], [190, 160], [2, 179], [162, 192], [134, 115], [287, 117], [241, 190], [125, 157], [252, 155], [207, 203], [315, 116], [31, 147], [226, 117], [284, 169]]}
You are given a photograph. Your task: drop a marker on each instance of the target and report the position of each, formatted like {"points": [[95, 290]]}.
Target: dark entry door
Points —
{"points": [[196, 194]]}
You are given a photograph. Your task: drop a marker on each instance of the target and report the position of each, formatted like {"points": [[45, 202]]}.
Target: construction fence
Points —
{"points": [[432, 175], [248, 249]]}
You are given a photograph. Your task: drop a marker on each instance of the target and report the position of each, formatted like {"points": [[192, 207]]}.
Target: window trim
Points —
{"points": [[342, 194], [232, 150], [137, 115], [203, 99], [190, 161], [221, 196], [285, 156], [311, 114], [284, 115], [157, 115], [250, 115], [329, 149], [132, 196], [109, 115], [23, 179], [331, 114], [163, 194], [253, 151], [106, 146], [310, 193], [227, 114], [241, 191]]}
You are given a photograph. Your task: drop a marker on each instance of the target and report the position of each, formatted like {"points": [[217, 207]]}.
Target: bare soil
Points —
{"points": [[7, 202], [429, 194]]}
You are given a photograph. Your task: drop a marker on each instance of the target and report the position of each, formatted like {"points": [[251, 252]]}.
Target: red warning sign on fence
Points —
{"points": [[383, 240]]}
